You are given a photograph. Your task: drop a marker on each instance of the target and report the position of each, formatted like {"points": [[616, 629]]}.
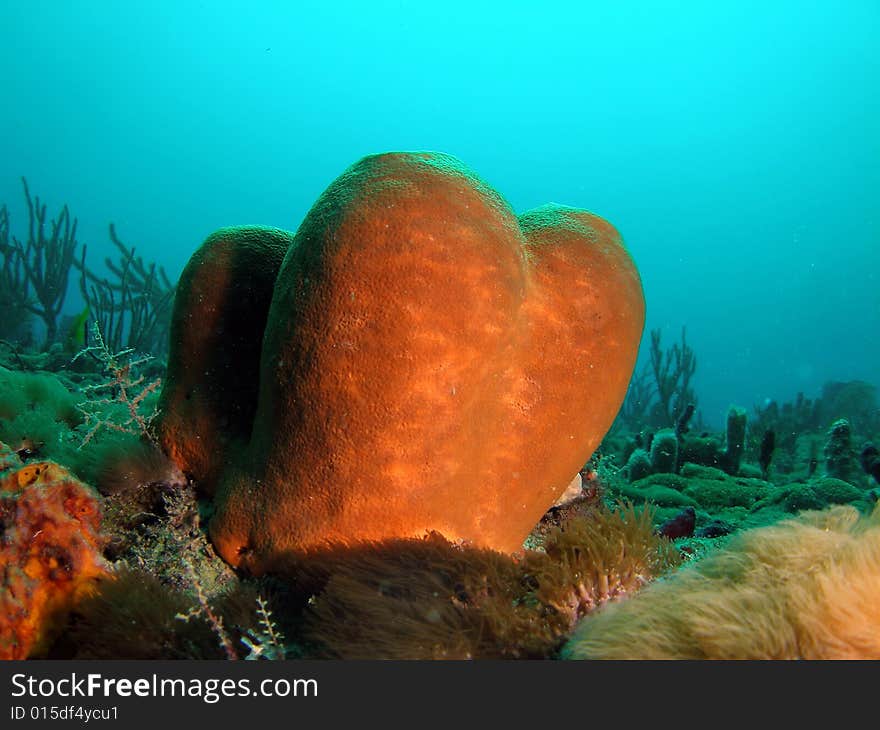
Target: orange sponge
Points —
{"points": [[50, 552], [429, 362], [219, 316]]}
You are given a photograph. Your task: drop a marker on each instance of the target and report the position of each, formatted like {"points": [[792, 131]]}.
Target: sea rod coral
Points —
{"points": [[416, 358]]}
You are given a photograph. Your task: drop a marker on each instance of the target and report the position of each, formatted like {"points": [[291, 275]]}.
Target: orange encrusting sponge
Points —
{"points": [[50, 551]]}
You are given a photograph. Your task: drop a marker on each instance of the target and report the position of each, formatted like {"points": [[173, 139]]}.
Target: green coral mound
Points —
{"points": [[24, 392], [46, 417], [38, 414], [653, 489], [817, 494], [742, 502], [714, 489]]}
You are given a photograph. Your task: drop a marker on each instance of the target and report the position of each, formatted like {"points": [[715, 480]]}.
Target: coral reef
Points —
{"points": [[714, 475], [807, 588], [738, 502], [50, 552], [671, 448], [422, 344], [399, 598], [98, 427], [708, 450], [800, 427], [372, 413]]}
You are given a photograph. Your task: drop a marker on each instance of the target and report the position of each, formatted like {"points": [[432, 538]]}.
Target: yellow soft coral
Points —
{"points": [[806, 588]]}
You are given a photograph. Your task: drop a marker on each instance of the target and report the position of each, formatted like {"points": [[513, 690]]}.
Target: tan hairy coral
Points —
{"points": [[601, 556], [807, 588], [432, 599], [427, 599]]}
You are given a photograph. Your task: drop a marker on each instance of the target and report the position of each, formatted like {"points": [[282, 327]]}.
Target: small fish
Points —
{"points": [[76, 335]]}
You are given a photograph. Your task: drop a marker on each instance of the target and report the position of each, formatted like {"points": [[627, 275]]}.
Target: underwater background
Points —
{"points": [[267, 394], [735, 145]]}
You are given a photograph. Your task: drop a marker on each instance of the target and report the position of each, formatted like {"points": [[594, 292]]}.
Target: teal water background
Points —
{"points": [[736, 145]]}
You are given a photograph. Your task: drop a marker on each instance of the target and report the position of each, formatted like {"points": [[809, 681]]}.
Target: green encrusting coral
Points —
{"points": [[38, 415], [47, 415], [741, 502]]}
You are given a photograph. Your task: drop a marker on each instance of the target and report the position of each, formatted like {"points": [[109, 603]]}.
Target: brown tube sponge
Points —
{"points": [[430, 362]]}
